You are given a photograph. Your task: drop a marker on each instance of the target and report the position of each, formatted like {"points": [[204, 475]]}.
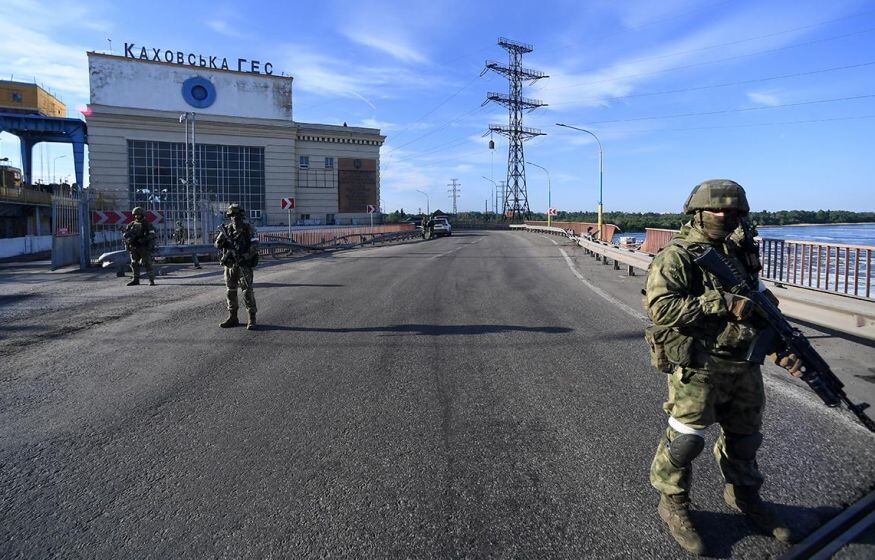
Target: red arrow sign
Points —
{"points": [[119, 217], [287, 204]]}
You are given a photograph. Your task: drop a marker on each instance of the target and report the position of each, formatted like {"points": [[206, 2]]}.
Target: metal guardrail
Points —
{"points": [[842, 530], [836, 311], [270, 244]]}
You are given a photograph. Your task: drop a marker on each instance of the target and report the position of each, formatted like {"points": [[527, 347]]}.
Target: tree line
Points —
{"points": [[638, 221]]}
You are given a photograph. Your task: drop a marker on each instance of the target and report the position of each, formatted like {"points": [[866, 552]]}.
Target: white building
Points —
{"points": [[248, 148]]}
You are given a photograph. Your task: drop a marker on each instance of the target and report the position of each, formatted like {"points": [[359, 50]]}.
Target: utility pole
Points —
{"points": [[516, 198], [454, 189]]}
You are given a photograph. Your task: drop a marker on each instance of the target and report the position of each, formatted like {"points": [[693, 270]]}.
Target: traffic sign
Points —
{"points": [[287, 204], [371, 209], [551, 211], [121, 217]]}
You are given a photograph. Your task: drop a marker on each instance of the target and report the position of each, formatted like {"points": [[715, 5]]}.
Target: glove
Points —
{"points": [[739, 307], [788, 361]]}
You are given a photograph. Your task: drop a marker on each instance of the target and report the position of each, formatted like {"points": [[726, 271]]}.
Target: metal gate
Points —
{"points": [[68, 207]]}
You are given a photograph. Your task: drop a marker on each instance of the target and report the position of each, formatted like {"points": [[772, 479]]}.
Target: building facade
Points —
{"points": [[187, 139]]}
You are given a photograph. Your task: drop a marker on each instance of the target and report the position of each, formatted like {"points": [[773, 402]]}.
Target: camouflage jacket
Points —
{"points": [[244, 238], [139, 236], [691, 323]]}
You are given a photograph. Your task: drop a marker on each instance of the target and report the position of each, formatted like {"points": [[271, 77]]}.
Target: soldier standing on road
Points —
{"points": [[699, 337], [139, 238], [179, 234], [424, 226], [238, 242]]}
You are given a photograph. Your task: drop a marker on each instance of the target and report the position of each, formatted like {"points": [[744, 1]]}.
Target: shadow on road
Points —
{"points": [[721, 531], [427, 330]]}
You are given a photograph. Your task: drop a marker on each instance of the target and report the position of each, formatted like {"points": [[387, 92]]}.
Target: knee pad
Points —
{"points": [[743, 447], [684, 448]]}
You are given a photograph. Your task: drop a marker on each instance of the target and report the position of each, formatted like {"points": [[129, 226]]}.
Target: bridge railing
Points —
{"points": [[850, 312], [832, 267]]}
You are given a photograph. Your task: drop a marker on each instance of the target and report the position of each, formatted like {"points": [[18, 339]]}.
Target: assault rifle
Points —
{"points": [[232, 256], [778, 331], [135, 238]]}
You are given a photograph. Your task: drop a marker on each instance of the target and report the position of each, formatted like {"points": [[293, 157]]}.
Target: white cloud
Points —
{"points": [[706, 49], [223, 27], [395, 47], [764, 98]]}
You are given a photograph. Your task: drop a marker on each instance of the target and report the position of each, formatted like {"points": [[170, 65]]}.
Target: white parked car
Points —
{"points": [[442, 226]]}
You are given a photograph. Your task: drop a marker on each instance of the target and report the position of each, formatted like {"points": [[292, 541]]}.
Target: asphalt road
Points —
{"points": [[465, 397]]}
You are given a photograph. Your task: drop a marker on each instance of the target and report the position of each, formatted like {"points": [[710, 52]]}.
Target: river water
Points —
{"points": [[842, 234]]}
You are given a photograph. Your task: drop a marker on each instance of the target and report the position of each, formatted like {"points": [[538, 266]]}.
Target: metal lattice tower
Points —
{"points": [[454, 189], [516, 198]]}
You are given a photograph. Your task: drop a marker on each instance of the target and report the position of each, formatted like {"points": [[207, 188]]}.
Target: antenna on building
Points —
{"points": [[454, 193], [108, 40], [516, 199]]}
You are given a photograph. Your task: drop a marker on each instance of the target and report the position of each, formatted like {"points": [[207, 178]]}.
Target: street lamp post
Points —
{"points": [[600, 169], [549, 203], [55, 168], [427, 202]]}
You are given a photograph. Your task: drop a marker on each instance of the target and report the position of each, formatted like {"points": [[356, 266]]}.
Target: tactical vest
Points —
{"points": [[715, 342]]}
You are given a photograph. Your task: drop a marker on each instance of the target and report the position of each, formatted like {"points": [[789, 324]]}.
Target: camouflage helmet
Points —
{"points": [[233, 209], [138, 211], [717, 194]]}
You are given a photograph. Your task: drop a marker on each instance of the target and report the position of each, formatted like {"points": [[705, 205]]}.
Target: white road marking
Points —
{"points": [[628, 310], [553, 241]]}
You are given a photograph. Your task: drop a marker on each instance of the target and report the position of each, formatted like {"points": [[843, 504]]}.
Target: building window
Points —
{"points": [[224, 174], [304, 162], [329, 219], [305, 216], [16, 97], [329, 163], [254, 214]]}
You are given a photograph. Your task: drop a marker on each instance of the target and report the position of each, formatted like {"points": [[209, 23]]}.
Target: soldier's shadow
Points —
{"points": [[721, 530]]}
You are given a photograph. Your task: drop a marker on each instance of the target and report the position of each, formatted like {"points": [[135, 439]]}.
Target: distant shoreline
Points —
{"points": [[815, 225]]}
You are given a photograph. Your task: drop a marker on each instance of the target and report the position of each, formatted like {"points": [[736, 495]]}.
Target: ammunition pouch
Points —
{"points": [[669, 348], [735, 335]]}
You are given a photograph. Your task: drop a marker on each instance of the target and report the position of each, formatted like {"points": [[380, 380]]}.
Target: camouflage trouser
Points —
{"points": [[734, 400], [140, 257], [242, 276]]}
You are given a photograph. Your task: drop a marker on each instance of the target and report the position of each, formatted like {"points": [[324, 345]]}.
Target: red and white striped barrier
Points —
{"points": [[121, 217]]}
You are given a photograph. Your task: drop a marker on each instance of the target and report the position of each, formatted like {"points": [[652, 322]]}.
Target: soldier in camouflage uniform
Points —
{"points": [[699, 337], [238, 242], [139, 237]]}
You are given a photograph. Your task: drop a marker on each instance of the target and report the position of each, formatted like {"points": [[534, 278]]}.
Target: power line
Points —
{"points": [[707, 62], [438, 106], [744, 109], [753, 125], [434, 130], [748, 39], [741, 82]]}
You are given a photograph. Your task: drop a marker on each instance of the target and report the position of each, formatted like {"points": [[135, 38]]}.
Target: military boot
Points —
{"points": [[675, 511], [151, 282], [231, 321], [134, 282], [251, 324], [746, 500]]}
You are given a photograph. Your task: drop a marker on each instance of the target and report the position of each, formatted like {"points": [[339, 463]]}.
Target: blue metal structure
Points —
{"points": [[33, 129]]}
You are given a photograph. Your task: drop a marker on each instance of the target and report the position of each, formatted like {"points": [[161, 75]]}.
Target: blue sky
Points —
{"points": [[778, 95]]}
